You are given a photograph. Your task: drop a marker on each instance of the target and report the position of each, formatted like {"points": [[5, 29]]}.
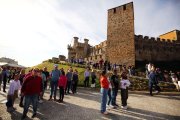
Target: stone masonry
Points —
{"points": [[120, 35]]}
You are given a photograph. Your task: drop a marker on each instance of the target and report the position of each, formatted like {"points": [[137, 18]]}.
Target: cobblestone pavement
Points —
{"points": [[85, 105]]}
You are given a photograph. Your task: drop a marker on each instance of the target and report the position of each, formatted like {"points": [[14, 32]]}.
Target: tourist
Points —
{"points": [[101, 62], [104, 91], [13, 92], [69, 76], [75, 81], [129, 71], [175, 81], [31, 89], [55, 74], [86, 76], [62, 85], [21, 79], [124, 84], [47, 77], [166, 76], [105, 67], [115, 87], [152, 81], [93, 78], [109, 66], [4, 78], [43, 77]]}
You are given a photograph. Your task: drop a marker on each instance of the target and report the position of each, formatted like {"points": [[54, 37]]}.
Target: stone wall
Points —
{"points": [[151, 49], [120, 35]]}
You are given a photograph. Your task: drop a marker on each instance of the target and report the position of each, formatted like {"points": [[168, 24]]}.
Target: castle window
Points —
{"points": [[114, 10], [124, 7]]}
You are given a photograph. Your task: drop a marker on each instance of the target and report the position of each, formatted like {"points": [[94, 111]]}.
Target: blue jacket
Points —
{"points": [[69, 76], [55, 74]]}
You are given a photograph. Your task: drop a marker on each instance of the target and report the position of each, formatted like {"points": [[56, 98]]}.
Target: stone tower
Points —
{"points": [[120, 35]]}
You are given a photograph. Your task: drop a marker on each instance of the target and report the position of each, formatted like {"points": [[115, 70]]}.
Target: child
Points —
{"points": [[124, 84], [62, 85], [13, 93]]}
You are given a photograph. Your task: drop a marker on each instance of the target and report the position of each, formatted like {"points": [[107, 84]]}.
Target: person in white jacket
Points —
{"points": [[124, 84], [13, 92]]}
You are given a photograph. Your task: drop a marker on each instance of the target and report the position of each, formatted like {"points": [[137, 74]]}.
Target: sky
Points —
{"points": [[35, 30]]}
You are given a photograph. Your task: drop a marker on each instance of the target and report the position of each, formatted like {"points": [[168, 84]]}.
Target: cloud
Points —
{"points": [[34, 30]]}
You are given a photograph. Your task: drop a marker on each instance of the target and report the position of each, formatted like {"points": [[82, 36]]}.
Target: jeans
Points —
{"points": [[104, 93], [156, 87], [114, 94], [28, 100], [109, 96], [54, 85], [68, 86]]}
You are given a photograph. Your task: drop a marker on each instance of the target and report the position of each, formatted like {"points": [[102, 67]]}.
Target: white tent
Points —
{"points": [[11, 65]]}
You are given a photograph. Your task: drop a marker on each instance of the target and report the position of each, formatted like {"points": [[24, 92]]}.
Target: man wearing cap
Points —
{"points": [[31, 89], [55, 74]]}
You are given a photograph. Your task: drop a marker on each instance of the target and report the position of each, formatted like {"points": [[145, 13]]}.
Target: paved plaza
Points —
{"points": [[85, 105]]}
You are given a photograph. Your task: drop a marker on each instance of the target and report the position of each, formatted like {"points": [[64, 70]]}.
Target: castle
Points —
{"points": [[123, 46]]}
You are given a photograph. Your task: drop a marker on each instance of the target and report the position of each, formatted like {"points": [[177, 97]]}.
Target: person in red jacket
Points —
{"points": [[31, 89], [104, 91], [62, 85]]}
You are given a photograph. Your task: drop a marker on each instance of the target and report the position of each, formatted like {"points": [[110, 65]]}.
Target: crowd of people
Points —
{"points": [[66, 83], [32, 86], [110, 84], [165, 76]]}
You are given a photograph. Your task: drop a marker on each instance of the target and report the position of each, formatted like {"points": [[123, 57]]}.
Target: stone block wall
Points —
{"points": [[153, 49], [120, 35]]}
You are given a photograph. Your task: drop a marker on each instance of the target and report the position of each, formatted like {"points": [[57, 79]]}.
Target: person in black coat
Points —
{"points": [[75, 81]]}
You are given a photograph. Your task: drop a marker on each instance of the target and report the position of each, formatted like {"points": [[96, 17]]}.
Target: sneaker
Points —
{"points": [[124, 107], [40, 101], [112, 107], [34, 115], [105, 113], [156, 91]]}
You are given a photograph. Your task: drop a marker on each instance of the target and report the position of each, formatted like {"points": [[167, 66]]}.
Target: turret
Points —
{"points": [[86, 41], [75, 41]]}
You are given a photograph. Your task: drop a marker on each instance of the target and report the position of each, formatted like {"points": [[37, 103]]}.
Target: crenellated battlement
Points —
{"points": [[142, 38]]}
